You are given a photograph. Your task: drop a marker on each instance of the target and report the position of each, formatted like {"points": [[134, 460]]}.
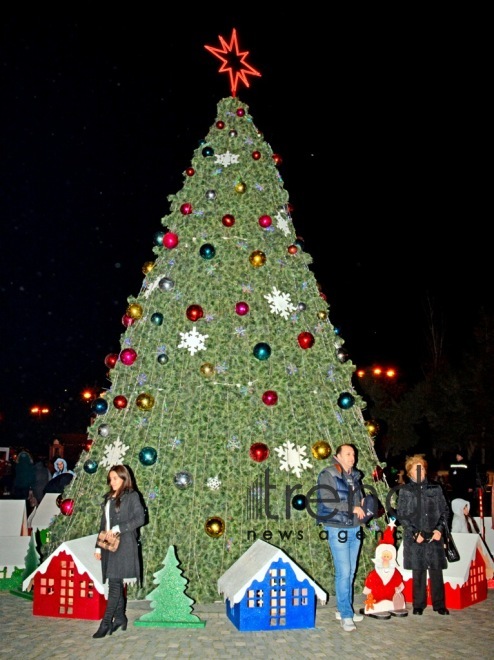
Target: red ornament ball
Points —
{"points": [[306, 340], [170, 240], [190, 171], [270, 398], [256, 155], [120, 402], [186, 209], [111, 360], [194, 313], [240, 112], [228, 220], [67, 507], [128, 356], [323, 295], [220, 124], [127, 320], [242, 308], [259, 452], [292, 249], [265, 221], [277, 159]]}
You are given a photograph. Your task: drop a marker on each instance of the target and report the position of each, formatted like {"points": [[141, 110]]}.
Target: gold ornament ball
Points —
{"points": [[145, 401], [207, 369], [240, 187], [322, 315], [321, 450], [214, 527], [134, 311], [257, 258], [147, 267]]}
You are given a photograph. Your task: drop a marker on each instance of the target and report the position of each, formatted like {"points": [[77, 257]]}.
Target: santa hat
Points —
{"points": [[387, 542]]}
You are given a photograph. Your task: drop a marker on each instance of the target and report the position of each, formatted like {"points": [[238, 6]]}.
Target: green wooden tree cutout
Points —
{"points": [[171, 607]]}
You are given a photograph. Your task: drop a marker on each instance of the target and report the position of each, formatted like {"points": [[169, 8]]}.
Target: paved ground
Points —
{"points": [[465, 633]]}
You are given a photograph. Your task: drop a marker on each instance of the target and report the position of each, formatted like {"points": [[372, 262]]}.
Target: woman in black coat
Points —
{"points": [[423, 511], [122, 515]]}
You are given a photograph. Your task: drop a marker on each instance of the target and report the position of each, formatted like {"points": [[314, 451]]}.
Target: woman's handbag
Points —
{"points": [[108, 544], [450, 548]]}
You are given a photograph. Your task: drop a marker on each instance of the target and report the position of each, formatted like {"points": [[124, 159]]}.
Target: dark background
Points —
{"points": [[381, 124]]}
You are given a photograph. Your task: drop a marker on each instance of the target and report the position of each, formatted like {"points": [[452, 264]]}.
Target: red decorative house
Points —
{"points": [[465, 581], [68, 584]]}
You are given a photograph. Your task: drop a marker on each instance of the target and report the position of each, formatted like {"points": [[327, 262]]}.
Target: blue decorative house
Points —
{"points": [[266, 590]]}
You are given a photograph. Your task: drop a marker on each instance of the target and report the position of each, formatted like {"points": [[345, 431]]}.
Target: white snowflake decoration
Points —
{"points": [[233, 443], [227, 158], [193, 341], [293, 458], [282, 223], [213, 483], [114, 454], [151, 287], [280, 303]]}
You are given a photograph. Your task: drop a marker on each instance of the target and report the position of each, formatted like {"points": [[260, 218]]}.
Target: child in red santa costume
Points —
{"points": [[384, 584]]}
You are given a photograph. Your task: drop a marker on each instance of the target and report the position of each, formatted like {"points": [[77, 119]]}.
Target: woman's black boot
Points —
{"points": [[119, 619], [103, 630]]}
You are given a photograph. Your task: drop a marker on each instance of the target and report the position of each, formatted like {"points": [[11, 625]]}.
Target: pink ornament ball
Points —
{"points": [[265, 221], [242, 308], [270, 398], [128, 356], [170, 240], [127, 320], [67, 507]]}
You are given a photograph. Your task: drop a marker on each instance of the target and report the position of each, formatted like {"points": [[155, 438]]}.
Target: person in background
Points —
{"points": [[423, 511], [461, 478], [61, 478], [123, 514], [462, 520], [42, 476], [24, 475], [339, 510]]}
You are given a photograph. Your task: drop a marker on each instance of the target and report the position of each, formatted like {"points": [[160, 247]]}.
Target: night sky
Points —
{"points": [[381, 132]]}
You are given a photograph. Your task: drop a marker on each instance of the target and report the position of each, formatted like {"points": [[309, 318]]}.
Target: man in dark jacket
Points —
{"points": [[423, 511]]}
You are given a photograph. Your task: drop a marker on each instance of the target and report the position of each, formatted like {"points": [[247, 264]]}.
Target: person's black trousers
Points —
{"points": [[419, 578]]}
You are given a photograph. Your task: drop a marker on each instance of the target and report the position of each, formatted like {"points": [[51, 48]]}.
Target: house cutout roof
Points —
{"points": [[13, 518], [457, 573], [82, 552], [45, 512], [13, 551], [253, 565]]}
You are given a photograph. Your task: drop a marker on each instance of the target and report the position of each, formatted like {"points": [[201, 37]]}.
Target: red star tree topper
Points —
{"points": [[233, 62]]}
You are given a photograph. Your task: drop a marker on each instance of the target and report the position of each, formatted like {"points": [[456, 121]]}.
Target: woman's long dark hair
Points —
{"points": [[126, 486]]}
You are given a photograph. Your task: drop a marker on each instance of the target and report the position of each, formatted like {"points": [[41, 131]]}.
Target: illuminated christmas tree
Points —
{"points": [[232, 388]]}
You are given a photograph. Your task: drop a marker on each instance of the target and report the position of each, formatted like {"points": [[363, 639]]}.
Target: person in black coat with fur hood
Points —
{"points": [[423, 511], [122, 515]]}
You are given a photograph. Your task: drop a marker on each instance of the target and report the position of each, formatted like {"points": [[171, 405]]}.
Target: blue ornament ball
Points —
{"points": [[99, 406], [346, 400], [90, 466], [148, 456], [299, 502], [207, 152], [207, 251], [157, 318], [262, 351], [158, 238]]}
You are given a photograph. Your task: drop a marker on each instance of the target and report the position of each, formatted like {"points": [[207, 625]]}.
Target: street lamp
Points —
{"points": [[39, 411]]}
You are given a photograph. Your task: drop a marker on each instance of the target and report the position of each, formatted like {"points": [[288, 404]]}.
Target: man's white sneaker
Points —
{"points": [[348, 625], [357, 618]]}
